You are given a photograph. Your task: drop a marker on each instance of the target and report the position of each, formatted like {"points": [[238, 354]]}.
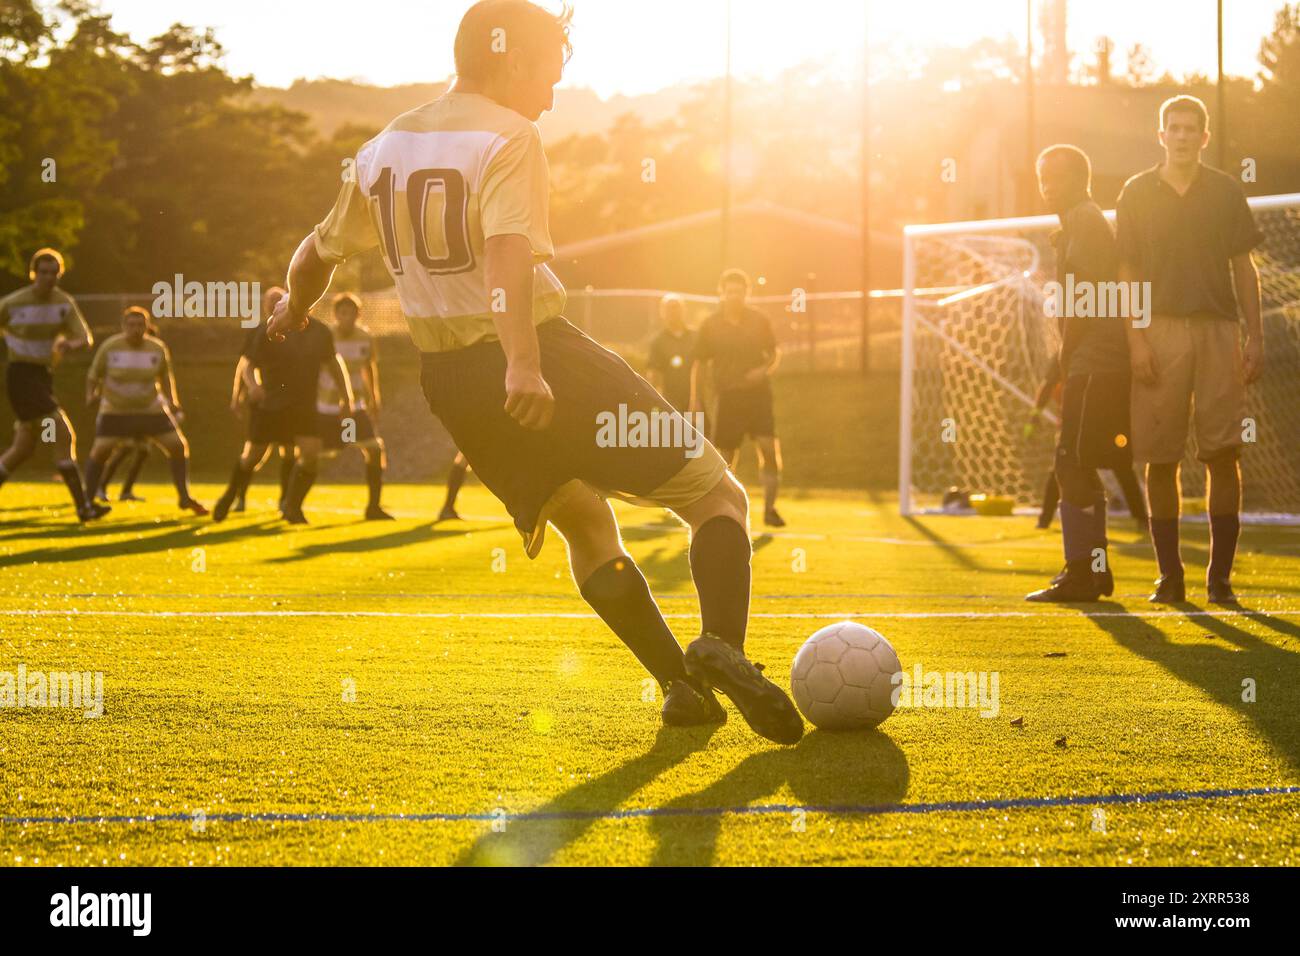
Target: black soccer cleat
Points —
{"points": [[767, 709], [772, 519], [1078, 584], [129, 496], [1169, 590], [685, 706], [92, 512], [294, 517], [241, 503], [190, 504], [377, 513], [1219, 591], [448, 514], [1105, 581], [222, 507]]}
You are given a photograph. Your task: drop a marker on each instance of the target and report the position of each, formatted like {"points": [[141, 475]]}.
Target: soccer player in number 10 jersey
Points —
{"points": [[459, 194]]}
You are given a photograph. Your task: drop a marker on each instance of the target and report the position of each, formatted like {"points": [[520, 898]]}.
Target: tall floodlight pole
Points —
{"points": [[865, 174], [1221, 121], [725, 219], [1029, 107]]}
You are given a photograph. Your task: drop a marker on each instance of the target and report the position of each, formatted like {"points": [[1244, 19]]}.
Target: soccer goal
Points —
{"points": [[975, 344]]}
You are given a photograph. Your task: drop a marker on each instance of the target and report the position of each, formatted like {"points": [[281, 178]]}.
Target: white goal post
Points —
{"points": [[976, 343]]}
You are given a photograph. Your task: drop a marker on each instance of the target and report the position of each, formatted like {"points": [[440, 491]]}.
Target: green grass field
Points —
{"points": [[496, 721]]}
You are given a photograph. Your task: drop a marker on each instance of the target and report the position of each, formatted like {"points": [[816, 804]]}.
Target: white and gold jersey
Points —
{"points": [[31, 323], [430, 190], [357, 351]]}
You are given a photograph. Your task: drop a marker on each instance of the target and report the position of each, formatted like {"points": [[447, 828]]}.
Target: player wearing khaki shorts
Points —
{"points": [[1187, 230]]}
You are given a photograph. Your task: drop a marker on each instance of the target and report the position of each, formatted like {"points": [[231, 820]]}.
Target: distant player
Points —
{"points": [[1094, 364], [738, 344], [132, 453], [131, 380], [1188, 230], [41, 323], [241, 408], [282, 378], [356, 348], [672, 354], [520, 389]]}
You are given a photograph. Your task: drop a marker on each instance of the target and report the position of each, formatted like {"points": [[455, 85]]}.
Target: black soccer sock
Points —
{"points": [[720, 553], [771, 484], [286, 474], [4, 474], [300, 483], [72, 478], [455, 478], [375, 480], [239, 480], [1051, 497], [1077, 526], [1164, 537], [94, 475], [180, 476], [137, 464], [1099, 537], [1224, 531], [618, 592]]}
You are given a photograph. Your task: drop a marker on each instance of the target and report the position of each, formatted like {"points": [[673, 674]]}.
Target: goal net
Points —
{"points": [[976, 344]]}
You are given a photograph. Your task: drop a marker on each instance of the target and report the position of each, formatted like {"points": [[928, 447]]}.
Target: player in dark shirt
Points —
{"points": [[672, 354], [281, 378], [738, 344], [1095, 367]]}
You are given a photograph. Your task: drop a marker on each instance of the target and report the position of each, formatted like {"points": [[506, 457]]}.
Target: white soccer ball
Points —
{"points": [[842, 677]]}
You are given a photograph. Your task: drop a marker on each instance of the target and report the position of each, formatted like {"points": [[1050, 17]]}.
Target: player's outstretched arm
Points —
{"points": [[309, 277], [508, 270]]}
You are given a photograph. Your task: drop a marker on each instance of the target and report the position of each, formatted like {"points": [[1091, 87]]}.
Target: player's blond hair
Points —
{"points": [[523, 25]]}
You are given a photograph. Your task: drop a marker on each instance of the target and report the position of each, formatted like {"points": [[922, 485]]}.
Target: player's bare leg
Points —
{"points": [[178, 456], [303, 477], [769, 465], [1163, 505], [65, 460], [720, 565], [455, 478], [138, 454], [375, 455], [20, 449], [613, 585]]}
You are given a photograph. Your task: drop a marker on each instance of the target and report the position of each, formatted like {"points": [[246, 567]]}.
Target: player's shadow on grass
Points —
{"points": [[668, 567], [188, 535], [534, 840], [960, 555], [825, 771], [70, 530], [1219, 670], [421, 534]]}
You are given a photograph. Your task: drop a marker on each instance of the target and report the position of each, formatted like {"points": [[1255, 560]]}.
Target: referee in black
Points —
{"points": [[282, 378]]}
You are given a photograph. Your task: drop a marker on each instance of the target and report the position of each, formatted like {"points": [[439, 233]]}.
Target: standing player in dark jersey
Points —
{"points": [[282, 378], [41, 323], [739, 345], [1094, 361], [672, 354], [520, 389], [241, 408]]}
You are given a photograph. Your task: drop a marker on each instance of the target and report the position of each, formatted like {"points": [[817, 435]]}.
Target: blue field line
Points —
{"points": [[953, 806]]}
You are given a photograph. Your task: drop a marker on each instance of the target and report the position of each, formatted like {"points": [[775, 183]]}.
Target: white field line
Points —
{"points": [[577, 616]]}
